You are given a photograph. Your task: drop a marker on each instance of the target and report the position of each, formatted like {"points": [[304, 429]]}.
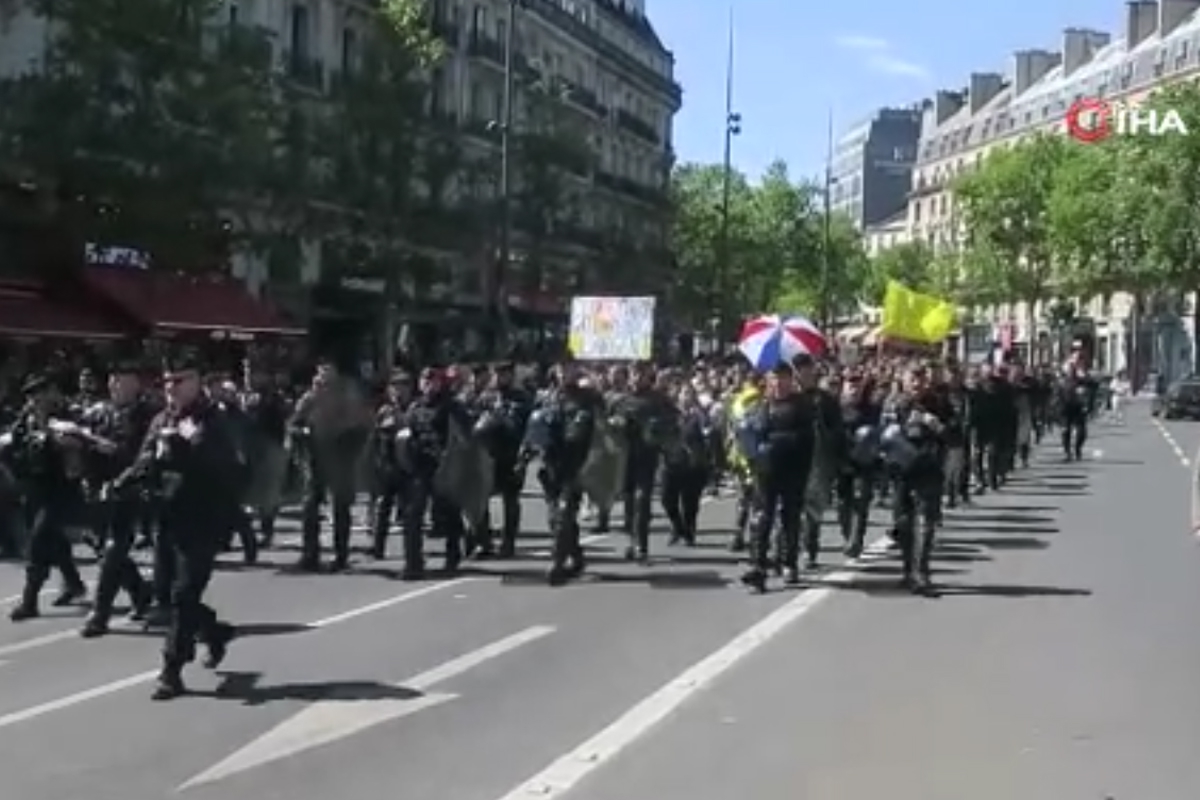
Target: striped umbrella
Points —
{"points": [[769, 340]]}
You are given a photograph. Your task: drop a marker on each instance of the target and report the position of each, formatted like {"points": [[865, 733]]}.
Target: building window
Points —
{"points": [[349, 49], [479, 21], [233, 13], [300, 31]]}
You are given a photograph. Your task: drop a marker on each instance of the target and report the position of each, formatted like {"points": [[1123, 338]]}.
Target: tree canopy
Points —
{"points": [[1049, 217], [769, 257]]}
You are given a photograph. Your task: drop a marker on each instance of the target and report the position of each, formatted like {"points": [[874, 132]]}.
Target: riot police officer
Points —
{"points": [[391, 471], [49, 466], [911, 444], [120, 425], [562, 432], [430, 420], [784, 425], [508, 407], [651, 423], [189, 458]]}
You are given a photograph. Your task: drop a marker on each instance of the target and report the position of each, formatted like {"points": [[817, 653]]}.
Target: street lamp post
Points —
{"points": [[733, 127], [498, 300], [826, 304]]}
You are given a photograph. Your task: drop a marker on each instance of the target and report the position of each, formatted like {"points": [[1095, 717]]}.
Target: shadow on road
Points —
{"points": [[655, 579], [1010, 590], [1003, 542], [246, 687], [877, 587]]}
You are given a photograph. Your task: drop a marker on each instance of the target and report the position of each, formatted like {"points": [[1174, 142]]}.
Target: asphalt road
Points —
{"points": [[1059, 663]]}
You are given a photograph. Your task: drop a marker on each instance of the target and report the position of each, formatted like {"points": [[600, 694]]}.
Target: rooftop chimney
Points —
{"points": [[946, 104], [984, 86], [1172, 14], [1080, 44], [1030, 66], [1141, 22]]}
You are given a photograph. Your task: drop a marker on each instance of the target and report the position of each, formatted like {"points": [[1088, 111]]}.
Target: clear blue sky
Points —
{"points": [[794, 59]]}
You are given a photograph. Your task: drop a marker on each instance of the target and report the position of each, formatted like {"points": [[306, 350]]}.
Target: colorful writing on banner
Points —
{"points": [[612, 328]]}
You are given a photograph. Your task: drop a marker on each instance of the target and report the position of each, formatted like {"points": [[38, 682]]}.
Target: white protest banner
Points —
{"points": [[612, 328]]}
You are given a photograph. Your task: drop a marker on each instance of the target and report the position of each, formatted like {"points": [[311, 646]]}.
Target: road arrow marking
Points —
{"points": [[327, 721]]}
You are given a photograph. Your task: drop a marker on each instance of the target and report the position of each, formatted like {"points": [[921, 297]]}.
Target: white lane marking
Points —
{"points": [[564, 774], [1195, 475], [585, 541], [371, 608], [328, 721], [1174, 445], [39, 641], [42, 709]]}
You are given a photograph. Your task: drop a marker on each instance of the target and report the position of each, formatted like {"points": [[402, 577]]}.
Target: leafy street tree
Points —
{"points": [[551, 154], [909, 263], [1161, 190], [843, 278], [769, 258], [374, 124], [149, 124], [1005, 205]]}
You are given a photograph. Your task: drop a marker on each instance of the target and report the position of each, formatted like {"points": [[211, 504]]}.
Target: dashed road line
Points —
{"points": [[1174, 445]]}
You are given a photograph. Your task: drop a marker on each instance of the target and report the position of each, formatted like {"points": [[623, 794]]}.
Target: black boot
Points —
{"points": [[169, 684]]}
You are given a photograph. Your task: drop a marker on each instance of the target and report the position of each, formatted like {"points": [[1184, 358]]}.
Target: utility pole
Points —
{"points": [[733, 127], [498, 302], [826, 309]]}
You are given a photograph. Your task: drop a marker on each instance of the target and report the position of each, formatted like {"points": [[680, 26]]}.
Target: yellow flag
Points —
{"points": [[916, 317]]}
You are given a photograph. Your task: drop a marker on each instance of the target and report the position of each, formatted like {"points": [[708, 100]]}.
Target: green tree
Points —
{"points": [[702, 289], [1162, 174], [148, 124], [1005, 205], [783, 251], [374, 125], [1097, 211], [848, 269], [909, 263], [768, 257], [549, 146]]}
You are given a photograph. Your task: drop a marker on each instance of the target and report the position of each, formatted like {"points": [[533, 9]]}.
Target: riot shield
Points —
{"points": [[603, 474], [466, 474]]}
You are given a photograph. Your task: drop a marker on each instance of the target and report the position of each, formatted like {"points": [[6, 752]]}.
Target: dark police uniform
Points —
{"points": [[49, 469], [509, 407], [429, 421], [189, 459], [124, 426], [786, 442]]}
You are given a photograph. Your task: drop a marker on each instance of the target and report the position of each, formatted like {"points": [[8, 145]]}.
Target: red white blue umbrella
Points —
{"points": [[770, 340]]}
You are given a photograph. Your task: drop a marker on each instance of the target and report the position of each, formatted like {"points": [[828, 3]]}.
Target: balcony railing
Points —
{"points": [[486, 48], [447, 31], [638, 127], [305, 70], [585, 98], [631, 188], [580, 31]]}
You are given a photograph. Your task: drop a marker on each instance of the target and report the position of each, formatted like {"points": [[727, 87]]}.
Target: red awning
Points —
{"points": [[185, 303], [26, 312]]}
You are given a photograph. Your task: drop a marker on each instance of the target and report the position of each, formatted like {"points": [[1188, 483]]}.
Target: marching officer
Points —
{"points": [[912, 448], [48, 465], [510, 407], [561, 432], [189, 458], [785, 428], [391, 472], [430, 420], [120, 425], [651, 426]]}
